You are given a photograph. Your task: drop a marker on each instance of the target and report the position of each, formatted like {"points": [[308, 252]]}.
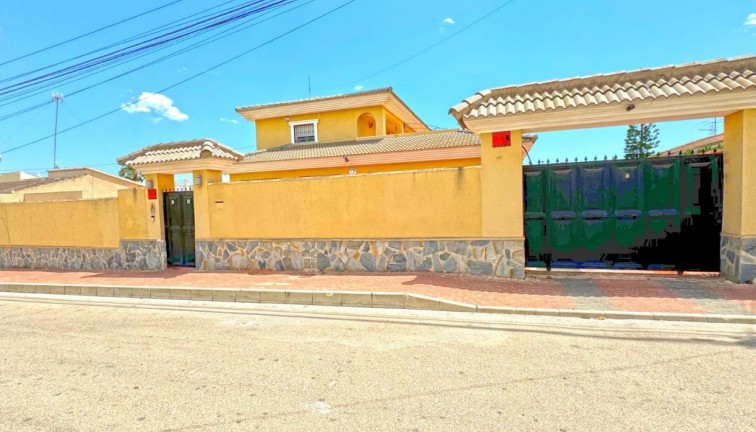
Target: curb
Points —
{"points": [[389, 300]]}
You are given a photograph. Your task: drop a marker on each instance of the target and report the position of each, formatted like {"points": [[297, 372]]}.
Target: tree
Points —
{"points": [[641, 140], [130, 173]]}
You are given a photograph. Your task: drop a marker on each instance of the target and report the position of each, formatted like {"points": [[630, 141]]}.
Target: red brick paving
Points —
{"points": [[644, 296], [631, 293], [740, 294]]}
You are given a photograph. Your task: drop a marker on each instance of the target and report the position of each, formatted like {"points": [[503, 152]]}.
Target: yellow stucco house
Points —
{"points": [[359, 182], [60, 185], [364, 132], [384, 191]]}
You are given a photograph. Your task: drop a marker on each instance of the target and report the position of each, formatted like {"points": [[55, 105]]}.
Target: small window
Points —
{"points": [[304, 131]]}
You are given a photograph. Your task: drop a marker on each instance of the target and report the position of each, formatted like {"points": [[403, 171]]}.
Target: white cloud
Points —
{"points": [[227, 120], [449, 21], [155, 103], [750, 20], [358, 88]]}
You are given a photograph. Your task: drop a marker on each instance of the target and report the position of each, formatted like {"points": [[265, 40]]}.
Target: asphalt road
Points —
{"points": [[84, 364]]}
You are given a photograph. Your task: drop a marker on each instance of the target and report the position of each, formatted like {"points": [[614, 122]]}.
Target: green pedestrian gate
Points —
{"points": [[179, 227], [654, 213]]}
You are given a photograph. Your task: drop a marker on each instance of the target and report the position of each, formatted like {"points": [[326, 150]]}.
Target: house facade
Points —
{"points": [[313, 156], [365, 132], [359, 183]]}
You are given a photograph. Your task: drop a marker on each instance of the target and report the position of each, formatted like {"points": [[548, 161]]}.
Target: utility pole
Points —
{"points": [[58, 99], [711, 126]]}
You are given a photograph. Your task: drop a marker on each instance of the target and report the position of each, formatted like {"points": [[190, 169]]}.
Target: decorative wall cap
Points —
{"points": [[713, 77]]}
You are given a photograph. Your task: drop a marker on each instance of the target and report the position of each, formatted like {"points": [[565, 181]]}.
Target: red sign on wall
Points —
{"points": [[502, 139], [152, 194]]}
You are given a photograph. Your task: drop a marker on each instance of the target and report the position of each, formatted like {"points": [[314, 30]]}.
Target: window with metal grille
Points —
{"points": [[304, 133]]}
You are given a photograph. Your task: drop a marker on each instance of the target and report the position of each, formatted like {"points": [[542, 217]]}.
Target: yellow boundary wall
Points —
{"points": [[436, 203], [81, 223], [93, 223]]}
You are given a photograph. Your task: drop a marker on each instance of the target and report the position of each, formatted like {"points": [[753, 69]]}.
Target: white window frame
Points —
{"points": [[314, 122]]}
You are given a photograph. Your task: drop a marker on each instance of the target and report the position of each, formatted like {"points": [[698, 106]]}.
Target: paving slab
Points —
{"points": [[88, 290], [363, 299], [248, 296], [160, 293], [622, 297], [299, 297], [326, 298], [270, 296], [389, 300], [202, 294], [225, 295]]}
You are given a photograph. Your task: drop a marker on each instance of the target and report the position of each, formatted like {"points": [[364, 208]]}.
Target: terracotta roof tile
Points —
{"points": [[729, 75], [391, 143], [10, 187], [698, 144], [388, 144], [180, 151], [275, 104]]}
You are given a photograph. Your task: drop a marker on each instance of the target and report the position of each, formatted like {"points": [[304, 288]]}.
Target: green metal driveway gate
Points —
{"points": [[661, 212]]}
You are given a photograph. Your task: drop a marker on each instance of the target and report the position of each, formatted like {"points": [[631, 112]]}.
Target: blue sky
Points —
{"points": [[523, 42]]}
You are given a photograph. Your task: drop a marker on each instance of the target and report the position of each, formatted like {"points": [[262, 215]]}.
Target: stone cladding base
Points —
{"points": [[131, 255], [484, 257], [737, 258]]}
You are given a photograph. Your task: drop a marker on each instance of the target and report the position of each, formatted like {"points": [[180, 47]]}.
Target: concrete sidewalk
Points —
{"points": [[603, 295]]}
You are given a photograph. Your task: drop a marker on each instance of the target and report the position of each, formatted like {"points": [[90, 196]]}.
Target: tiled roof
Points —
{"points": [[10, 187], [729, 75], [696, 145], [180, 151], [323, 98], [387, 144]]}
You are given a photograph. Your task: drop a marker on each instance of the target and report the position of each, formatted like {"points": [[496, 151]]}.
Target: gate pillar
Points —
{"points": [[155, 211], [738, 244], [501, 201], [201, 179]]}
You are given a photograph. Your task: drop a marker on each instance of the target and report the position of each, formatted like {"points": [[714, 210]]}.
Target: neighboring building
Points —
{"points": [[60, 185], [364, 132], [704, 145]]}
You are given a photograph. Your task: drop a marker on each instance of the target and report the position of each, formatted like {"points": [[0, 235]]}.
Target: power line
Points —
{"points": [[172, 24], [156, 30], [428, 48], [90, 33], [226, 33], [216, 66], [46, 168], [218, 20]]}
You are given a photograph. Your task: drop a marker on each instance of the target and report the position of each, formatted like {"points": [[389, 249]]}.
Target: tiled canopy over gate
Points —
{"points": [[645, 94], [720, 88], [180, 151]]}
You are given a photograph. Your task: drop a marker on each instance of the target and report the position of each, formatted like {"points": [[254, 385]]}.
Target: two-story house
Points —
{"points": [[363, 132]]}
